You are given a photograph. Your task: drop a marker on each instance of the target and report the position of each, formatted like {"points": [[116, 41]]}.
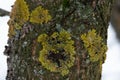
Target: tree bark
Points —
{"points": [[77, 17]]}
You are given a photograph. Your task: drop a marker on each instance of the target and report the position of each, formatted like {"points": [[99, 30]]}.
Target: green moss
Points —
{"points": [[94, 45], [40, 15], [58, 52]]}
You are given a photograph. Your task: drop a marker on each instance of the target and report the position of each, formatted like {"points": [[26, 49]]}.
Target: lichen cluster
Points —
{"points": [[94, 45], [20, 12], [40, 15], [57, 54], [19, 15]]}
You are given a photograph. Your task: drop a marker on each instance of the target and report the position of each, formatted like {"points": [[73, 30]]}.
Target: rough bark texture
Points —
{"points": [[75, 16]]}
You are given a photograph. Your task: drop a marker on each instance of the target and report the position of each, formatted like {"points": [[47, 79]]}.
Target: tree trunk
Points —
{"points": [[57, 39]]}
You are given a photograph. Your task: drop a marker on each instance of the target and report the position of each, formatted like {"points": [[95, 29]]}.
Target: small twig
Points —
{"points": [[4, 12]]}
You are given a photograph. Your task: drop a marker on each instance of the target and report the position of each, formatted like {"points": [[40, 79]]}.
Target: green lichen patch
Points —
{"points": [[58, 52], [94, 45], [40, 15]]}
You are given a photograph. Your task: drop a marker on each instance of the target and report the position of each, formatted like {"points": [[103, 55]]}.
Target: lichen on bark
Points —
{"points": [[94, 45], [57, 54], [18, 16], [75, 17], [40, 15]]}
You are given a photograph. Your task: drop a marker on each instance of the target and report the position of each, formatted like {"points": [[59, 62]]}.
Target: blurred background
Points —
{"points": [[111, 67]]}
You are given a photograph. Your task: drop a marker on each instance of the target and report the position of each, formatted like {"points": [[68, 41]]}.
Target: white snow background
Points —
{"points": [[111, 67]]}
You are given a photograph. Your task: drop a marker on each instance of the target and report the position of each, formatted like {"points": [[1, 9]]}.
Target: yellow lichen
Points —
{"points": [[11, 31], [12, 27], [58, 52], [19, 15], [40, 15], [94, 45], [20, 12]]}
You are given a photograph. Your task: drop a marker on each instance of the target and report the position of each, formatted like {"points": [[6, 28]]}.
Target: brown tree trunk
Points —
{"points": [[78, 18]]}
